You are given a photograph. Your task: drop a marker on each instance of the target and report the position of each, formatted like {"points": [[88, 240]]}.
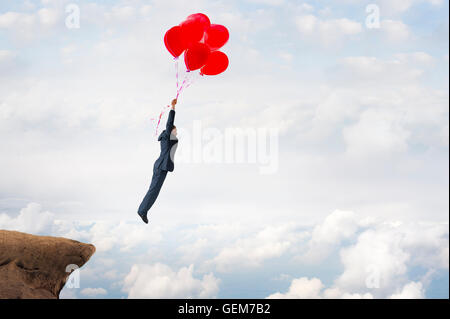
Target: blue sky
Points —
{"points": [[360, 190]]}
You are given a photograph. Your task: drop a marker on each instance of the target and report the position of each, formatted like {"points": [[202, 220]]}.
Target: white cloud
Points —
{"points": [[400, 6], [376, 253], [422, 58], [395, 30], [94, 292], [268, 2], [121, 13], [160, 281], [301, 288], [426, 243], [329, 234], [125, 235], [30, 26], [13, 20], [105, 235], [337, 226], [445, 135], [394, 6], [6, 55], [69, 49], [371, 252], [376, 260], [328, 31], [48, 17], [31, 219], [28, 5], [270, 242], [383, 255], [7, 61], [193, 251], [304, 288], [380, 120], [402, 70], [336, 293], [286, 56], [376, 132], [412, 290]]}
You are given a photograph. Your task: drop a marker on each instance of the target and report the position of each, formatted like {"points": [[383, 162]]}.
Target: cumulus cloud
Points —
{"points": [[48, 17], [329, 31], [337, 293], [31, 219], [305, 288], [160, 281], [268, 2], [417, 58], [301, 288], [286, 56], [402, 68], [30, 26], [400, 6], [5, 56], [11, 20], [376, 258], [395, 30], [125, 235], [412, 290], [377, 255], [7, 62], [94, 292], [105, 235], [379, 120], [329, 234], [376, 132], [270, 242]]}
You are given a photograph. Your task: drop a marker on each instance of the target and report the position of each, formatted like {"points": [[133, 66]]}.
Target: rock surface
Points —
{"points": [[35, 266]]}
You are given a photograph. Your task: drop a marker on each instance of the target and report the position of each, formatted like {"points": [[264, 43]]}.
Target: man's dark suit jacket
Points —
{"points": [[168, 146]]}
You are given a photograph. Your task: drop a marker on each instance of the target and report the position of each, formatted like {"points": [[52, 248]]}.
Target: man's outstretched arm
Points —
{"points": [[171, 119]]}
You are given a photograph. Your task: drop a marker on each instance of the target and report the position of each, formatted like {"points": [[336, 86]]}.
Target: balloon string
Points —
{"points": [[182, 85], [189, 79], [159, 118], [176, 70]]}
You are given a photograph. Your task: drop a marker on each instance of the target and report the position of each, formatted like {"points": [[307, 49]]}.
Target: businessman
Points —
{"points": [[169, 142]]}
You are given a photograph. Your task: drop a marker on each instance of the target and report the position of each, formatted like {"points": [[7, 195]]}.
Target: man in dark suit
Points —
{"points": [[163, 164]]}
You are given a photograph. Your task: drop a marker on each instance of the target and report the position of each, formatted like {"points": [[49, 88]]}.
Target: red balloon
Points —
{"points": [[216, 36], [194, 27], [201, 18], [217, 63], [173, 39], [196, 56]]}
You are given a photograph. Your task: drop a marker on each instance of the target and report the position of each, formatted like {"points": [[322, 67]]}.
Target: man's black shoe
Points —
{"points": [[144, 218]]}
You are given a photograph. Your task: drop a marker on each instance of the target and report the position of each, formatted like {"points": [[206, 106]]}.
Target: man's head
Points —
{"points": [[174, 131]]}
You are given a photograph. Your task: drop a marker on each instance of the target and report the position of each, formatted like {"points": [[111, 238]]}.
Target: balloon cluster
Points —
{"points": [[200, 41]]}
